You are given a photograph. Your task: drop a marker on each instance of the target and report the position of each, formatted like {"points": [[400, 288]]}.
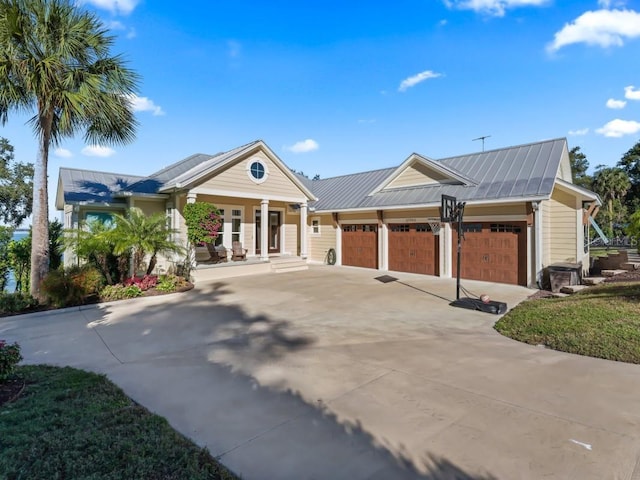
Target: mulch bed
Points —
{"points": [[631, 276], [10, 390]]}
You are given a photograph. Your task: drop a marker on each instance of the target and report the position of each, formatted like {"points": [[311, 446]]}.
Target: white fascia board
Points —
{"points": [[583, 192]]}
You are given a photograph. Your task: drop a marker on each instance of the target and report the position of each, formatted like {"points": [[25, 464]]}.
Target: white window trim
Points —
{"points": [[312, 231], [250, 162]]}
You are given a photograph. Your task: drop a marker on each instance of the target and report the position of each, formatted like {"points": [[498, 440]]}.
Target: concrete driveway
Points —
{"points": [[329, 373]]}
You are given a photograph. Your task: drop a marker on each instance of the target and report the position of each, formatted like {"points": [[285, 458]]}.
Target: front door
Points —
{"points": [[273, 235]]}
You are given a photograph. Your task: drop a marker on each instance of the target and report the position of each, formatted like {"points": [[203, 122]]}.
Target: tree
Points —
{"points": [[6, 234], [630, 163], [94, 243], [579, 167], [612, 185], [143, 235], [16, 186], [56, 62]]}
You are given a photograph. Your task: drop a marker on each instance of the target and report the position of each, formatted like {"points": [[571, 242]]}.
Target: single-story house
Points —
{"points": [[523, 213]]}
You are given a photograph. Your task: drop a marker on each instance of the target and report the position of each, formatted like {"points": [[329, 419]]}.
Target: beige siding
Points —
{"points": [[291, 232], [417, 174], [560, 235], [357, 217], [495, 210], [320, 244], [411, 215], [150, 207], [236, 179]]}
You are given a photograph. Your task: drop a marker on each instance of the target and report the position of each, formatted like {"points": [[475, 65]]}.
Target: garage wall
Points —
{"points": [[371, 217], [562, 232], [394, 216], [493, 212], [320, 244]]}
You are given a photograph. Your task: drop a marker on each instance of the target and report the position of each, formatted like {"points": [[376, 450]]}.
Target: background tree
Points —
{"points": [[6, 235], [612, 184], [579, 167], [630, 163], [16, 186], [143, 236], [56, 62]]}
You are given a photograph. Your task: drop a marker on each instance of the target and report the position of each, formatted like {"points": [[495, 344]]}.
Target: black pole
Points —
{"points": [[459, 250]]}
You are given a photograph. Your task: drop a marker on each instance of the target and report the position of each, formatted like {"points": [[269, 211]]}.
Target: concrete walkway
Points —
{"points": [[329, 373]]}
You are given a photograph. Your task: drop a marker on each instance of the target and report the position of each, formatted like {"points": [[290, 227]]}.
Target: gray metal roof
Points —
{"points": [[100, 187], [523, 171]]}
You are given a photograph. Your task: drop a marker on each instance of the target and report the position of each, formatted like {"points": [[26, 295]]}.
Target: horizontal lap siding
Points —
{"points": [[417, 215], [563, 226], [416, 175], [495, 210], [236, 179], [319, 245]]}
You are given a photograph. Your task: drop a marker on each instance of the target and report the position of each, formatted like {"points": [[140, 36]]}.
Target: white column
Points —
{"points": [[338, 244], [446, 251], [191, 197], [264, 229], [384, 246], [537, 225], [303, 230]]}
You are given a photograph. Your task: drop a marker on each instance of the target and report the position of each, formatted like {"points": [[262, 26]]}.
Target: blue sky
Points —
{"points": [[340, 87]]}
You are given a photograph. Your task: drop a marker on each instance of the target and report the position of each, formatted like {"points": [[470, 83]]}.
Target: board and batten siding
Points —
{"points": [[236, 179], [319, 244], [562, 234], [417, 174]]}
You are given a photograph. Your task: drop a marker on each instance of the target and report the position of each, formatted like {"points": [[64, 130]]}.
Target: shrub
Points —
{"points": [[120, 292], [144, 283], [16, 302], [9, 358], [169, 283], [203, 222], [71, 286]]}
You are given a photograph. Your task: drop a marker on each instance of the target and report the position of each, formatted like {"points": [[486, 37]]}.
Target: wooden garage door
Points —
{"points": [[413, 248], [494, 252], [360, 245]]}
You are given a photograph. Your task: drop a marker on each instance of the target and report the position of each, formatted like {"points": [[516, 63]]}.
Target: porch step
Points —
{"points": [[630, 266], [593, 280], [611, 273], [569, 289], [288, 264]]}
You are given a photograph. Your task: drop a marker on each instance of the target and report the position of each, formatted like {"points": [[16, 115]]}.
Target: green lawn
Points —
{"points": [[602, 321], [71, 424], [601, 251]]}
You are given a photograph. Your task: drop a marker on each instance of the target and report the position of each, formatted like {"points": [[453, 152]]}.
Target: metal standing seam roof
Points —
{"points": [[93, 186], [523, 171]]}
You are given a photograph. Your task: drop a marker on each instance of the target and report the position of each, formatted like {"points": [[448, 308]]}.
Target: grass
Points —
{"points": [[601, 251], [602, 322], [73, 424]]}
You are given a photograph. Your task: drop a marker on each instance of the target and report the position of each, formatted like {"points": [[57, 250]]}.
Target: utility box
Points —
{"points": [[564, 274]]}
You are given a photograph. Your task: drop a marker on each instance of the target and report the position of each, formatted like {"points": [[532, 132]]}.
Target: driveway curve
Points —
{"points": [[331, 373]]}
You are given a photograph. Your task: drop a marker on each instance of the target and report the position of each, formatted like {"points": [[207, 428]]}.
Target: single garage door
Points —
{"points": [[494, 252], [413, 248], [360, 245]]}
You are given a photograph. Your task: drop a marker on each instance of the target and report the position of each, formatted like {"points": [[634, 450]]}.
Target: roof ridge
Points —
{"points": [[356, 173], [102, 171], [504, 148]]}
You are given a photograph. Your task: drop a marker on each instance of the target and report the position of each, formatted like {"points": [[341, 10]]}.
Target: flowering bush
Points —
{"points": [[9, 358], [203, 222], [143, 283]]}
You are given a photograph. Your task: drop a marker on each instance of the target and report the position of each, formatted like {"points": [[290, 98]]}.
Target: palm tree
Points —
{"points": [[93, 242], [55, 61], [611, 184], [144, 235]]}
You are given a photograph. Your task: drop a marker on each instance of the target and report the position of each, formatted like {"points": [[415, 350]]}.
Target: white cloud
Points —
{"points": [[62, 153], [631, 93], [616, 104], [618, 128], [234, 48], [493, 7], [117, 25], [124, 7], [303, 146], [443, 22], [604, 3], [416, 79], [579, 132], [604, 28], [145, 104], [97, 151]]}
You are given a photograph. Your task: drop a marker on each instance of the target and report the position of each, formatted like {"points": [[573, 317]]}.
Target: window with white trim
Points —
{"points": [[315, 226]]}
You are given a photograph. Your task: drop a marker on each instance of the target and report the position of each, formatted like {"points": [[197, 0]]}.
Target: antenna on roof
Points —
{"points": [[481, 138]]}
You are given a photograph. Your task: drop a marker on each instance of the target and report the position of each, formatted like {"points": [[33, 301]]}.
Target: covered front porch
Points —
{"points": [[205, 271]]}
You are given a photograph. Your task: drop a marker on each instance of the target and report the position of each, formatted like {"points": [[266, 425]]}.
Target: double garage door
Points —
{"points": [[494, 252]]}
